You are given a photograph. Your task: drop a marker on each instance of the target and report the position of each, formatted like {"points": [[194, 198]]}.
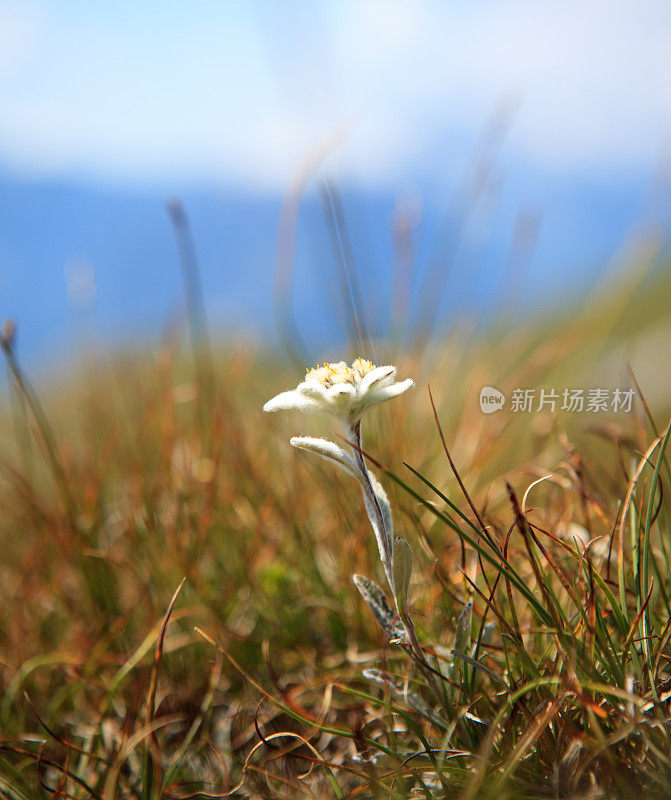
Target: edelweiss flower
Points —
{"points": [[345, 392]]}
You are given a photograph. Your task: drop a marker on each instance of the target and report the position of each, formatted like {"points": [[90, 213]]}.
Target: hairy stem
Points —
{"points": [[387, 556], [367, 485]]}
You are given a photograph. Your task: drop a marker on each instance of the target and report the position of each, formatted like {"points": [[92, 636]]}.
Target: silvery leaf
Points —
{"points": [[385, 508], [329, 451], [402, 569], [401, 690], [379, 605]]}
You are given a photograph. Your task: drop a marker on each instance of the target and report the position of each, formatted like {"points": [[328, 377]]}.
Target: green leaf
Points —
{"points": [[487, 550]]}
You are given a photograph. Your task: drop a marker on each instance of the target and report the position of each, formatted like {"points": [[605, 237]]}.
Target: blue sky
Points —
{"points": [[107, 108], [240, 93]]}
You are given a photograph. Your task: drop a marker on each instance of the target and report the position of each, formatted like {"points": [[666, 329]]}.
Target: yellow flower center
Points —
{"points": [[339, 372]]}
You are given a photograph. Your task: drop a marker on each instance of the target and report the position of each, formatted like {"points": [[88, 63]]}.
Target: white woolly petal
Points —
{"points": [[386, 381], [329, 451], [387, 392], [286, 401], [380, 376], [312, 389], [340, 390]]}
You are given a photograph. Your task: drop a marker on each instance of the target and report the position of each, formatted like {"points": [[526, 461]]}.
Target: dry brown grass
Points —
{"points": [[144, 487]]}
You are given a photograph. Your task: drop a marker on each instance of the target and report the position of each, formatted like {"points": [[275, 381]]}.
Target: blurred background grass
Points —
{"points": [[151, 486]]}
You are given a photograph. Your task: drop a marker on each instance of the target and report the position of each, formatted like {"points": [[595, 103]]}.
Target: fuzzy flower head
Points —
{"points": [[344, 391]]}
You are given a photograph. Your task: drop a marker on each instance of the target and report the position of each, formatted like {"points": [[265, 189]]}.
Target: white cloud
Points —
{"points": [[592, 77], [20, 27], [243, 95]]}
